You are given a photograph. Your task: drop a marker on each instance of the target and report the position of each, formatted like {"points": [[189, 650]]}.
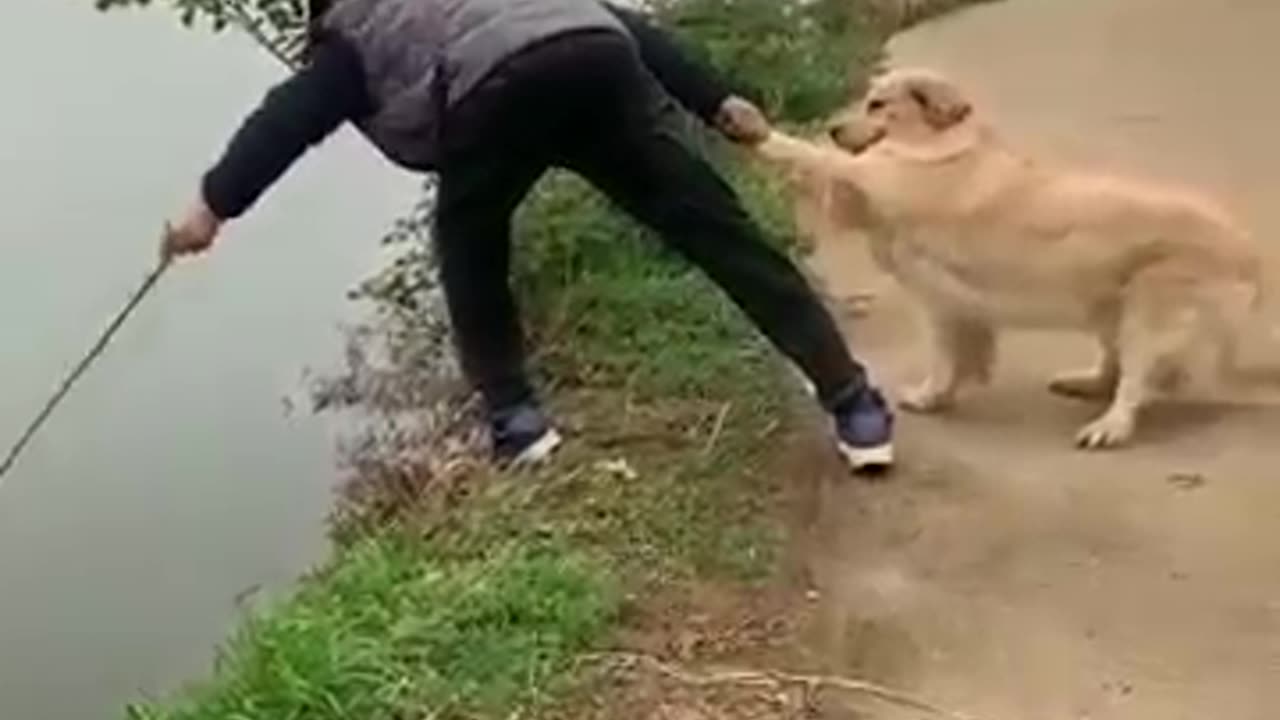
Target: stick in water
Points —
{"points": [[147, 284]]}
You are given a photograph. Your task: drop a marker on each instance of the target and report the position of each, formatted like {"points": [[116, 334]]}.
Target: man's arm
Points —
{"points": [[295, 115], [694, 85]]}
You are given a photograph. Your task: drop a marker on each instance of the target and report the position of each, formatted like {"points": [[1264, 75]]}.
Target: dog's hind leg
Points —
{"points": [[1158, 327], [1116, 426]]}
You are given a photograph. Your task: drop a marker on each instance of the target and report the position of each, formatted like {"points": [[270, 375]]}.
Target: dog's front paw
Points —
{"points": [[1108, 432], [926, 397]]}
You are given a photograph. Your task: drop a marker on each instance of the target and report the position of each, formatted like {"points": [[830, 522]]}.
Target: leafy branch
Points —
{"points": [[279, 26]]}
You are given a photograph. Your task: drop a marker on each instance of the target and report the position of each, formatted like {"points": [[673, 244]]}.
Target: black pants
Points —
{"points": [[585, 102]]}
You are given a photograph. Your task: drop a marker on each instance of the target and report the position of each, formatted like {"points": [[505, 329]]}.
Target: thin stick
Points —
{"points": [[246, 24], [56, 399], [717, 429], [769, 678]]}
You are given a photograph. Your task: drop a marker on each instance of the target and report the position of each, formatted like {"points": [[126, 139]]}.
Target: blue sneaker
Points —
{"points": [[864, 433], [522, 435]]}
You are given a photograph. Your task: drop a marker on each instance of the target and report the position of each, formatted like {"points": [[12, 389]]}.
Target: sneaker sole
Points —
{"points": [[540, 449], [876, 459]]}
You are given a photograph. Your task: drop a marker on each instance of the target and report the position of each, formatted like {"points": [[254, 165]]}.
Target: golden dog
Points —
{"points": [[988, 239]]}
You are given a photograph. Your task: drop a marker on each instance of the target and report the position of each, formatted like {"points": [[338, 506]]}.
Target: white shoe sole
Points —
{"points": [[870, 459], [540, 449]]}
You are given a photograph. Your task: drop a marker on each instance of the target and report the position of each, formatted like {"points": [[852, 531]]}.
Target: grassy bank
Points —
{"points": [[458, 592]]}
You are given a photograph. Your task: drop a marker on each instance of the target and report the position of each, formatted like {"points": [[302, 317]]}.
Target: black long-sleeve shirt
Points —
{"points": [[330, 89]]}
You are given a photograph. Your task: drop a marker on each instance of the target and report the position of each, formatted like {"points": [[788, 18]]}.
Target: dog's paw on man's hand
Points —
{"points": [[742, 122]]}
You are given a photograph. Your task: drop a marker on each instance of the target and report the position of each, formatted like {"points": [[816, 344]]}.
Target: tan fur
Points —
{"points": [[988, 239]]}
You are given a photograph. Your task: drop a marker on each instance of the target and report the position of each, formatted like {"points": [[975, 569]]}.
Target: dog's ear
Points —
{"points": [[942, 103]]}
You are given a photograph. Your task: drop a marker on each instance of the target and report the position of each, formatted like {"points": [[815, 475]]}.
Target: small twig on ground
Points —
{"points": [[717, 429], [768, 429], [773, 679]]}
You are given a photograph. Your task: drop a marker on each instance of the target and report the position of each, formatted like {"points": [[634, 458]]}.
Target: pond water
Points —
{"points": [[174, 478]]}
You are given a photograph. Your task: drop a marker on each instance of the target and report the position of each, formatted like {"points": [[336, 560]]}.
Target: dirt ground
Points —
{"points": [[1003, 573]]}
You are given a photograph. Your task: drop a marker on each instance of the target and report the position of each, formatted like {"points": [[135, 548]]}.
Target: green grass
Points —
{"points": [[469, 594], [610, 307], [386, 632]]}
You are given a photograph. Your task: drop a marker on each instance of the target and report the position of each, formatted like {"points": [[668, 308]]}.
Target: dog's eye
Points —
{"points": [[875, 106]]}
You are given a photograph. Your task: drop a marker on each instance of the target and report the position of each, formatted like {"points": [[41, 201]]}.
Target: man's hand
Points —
{"points": [[743, 122], [194, 233]]}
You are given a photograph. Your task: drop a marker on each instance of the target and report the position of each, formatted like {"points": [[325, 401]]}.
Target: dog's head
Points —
{"points": [[909, 106]]}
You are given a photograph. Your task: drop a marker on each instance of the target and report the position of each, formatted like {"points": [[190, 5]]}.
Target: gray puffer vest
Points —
{"points": [[422, 56]]}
